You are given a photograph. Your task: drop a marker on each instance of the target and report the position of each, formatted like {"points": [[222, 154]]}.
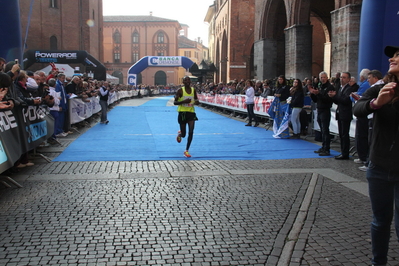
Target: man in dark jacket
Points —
{"points": [[324, 102], [343, 113]]}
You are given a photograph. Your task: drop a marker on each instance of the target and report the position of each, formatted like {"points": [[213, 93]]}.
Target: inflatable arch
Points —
{"points": [[377, 29], [156, 61]]}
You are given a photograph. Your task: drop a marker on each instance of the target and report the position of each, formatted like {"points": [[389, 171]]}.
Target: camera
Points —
{"points": [[16, 61]]}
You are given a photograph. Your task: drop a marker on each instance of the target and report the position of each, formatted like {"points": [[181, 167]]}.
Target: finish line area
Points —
{"points": [[148, 132]]}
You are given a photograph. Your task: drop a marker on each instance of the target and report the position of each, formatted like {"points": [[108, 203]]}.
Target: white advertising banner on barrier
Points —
{"points": [[261, 106]]}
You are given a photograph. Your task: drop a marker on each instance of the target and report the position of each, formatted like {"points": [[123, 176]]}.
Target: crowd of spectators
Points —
{"points": [[49, 90]]}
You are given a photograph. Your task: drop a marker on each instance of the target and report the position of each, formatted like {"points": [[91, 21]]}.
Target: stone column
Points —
{"points": [[265, 59], [298, 51], [345, 27]]}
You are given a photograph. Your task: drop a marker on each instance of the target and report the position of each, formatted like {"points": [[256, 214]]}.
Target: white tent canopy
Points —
{"points": [[65, 68], [112, 79]]}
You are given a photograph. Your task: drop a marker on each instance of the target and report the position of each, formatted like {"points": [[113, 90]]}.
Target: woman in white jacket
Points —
{"points": [[250, 101]]}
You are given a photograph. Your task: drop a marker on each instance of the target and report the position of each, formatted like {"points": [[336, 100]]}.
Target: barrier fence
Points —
{"points": [[236, 102]]}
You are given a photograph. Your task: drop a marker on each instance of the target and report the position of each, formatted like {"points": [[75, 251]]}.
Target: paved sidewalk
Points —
{"points": [[282, 212]]}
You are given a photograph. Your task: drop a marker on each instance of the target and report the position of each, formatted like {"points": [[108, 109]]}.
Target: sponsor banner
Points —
{"points": [[164, 61], [237, 102], [22, 130]]}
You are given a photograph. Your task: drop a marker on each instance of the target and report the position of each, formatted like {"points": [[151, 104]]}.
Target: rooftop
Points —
{"points": [[136, 19]]}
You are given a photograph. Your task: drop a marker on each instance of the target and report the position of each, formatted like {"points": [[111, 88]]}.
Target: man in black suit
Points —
{"points": [[343, 113]]}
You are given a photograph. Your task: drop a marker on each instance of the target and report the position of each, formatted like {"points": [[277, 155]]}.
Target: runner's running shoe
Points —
{"points": [[178, 138], [187, 155]]}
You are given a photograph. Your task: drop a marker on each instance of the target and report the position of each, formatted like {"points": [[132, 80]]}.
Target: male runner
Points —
{"points": [[186, 98]]}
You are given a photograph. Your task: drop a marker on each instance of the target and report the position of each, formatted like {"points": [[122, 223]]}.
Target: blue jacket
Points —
{"points": [[59, 87]]}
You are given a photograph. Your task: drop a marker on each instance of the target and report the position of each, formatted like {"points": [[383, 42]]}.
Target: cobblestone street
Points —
{"points": [[281, 212]]}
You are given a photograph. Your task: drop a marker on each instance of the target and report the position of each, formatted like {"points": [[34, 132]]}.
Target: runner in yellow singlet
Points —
{"points": [[186, 98]]}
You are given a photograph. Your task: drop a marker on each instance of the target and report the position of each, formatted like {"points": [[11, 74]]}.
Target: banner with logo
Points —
{"points": [[22, 130]]}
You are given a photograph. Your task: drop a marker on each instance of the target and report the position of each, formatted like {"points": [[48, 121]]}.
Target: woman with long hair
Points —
{"points": [[279, 110], [297, 99]]}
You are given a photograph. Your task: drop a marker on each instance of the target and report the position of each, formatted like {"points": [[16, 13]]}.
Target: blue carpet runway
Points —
{"points": [[148, 133]]}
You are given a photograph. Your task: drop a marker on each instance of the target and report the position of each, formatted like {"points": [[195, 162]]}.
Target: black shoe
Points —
{"points": [[256, 124], [248, 125], [106, 122], [319, 150], [341, 157], [324, 153]]}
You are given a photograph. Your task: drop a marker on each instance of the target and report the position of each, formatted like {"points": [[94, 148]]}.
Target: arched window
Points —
{"points": [[135, 37], [135, 57], [53, 43], [117, 57], [161, 37], [117, 37]]}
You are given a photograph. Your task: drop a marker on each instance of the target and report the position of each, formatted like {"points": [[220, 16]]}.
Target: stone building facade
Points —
{"points": [[300, 38]]}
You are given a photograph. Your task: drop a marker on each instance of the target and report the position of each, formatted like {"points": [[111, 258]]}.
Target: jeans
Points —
{"points": [[104, 109], [296, 124], [323, 119], [251, 114], [384, 197]]}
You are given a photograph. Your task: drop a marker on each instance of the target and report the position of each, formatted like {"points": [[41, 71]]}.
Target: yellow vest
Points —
{"points": [[186, 107]]}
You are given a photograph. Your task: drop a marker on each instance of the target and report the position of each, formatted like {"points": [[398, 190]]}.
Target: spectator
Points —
{"points": [[104, 94], [63, 106], [337, 81], [353, 84], [2, 64], [282, 90], [296, 104], [31, 83], [374, 79], [249, 102], [279, 108], [6, 103], [55, 109], [72, 87], [324, 103], [343, 114], [258, 88], [267, 90], [27, 99], [362, 123], [383, 172], [22, 90]]}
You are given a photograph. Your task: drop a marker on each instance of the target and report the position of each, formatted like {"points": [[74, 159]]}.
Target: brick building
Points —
{"points": [[231, 46], [63, 25]]}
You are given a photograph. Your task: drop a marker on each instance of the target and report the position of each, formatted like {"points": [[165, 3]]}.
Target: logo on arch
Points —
{"points": [[132, 79], [164, 61]]}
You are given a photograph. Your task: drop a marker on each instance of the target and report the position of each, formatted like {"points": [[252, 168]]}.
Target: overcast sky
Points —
{"points": [[190, 12]]}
